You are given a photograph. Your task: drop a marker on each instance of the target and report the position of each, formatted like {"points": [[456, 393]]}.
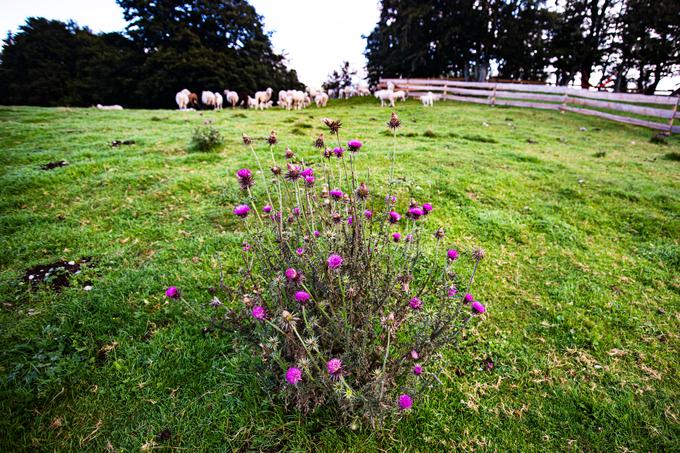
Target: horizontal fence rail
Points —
{"points": [[548, 97]]}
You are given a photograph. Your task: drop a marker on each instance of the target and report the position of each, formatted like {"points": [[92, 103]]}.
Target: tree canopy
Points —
{"points": [[168, 45]]}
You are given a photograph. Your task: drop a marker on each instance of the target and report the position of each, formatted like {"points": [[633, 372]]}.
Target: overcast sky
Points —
{"points": [[315, 35]]}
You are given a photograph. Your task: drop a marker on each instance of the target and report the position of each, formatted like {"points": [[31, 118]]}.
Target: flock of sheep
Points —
{"points": [[291, 99]]}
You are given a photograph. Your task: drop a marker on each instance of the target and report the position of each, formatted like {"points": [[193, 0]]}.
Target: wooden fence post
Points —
{"points": [[565, 100], [675, 111], [492, 101]]}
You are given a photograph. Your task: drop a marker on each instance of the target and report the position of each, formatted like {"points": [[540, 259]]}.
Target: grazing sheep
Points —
{"points": [[252, 103], [231, 97], [401, 94], [321, 99], [193, 100], [109, 107], [284, 100], [182, 99], [262, 97], [218, 101], [268, 104], [362, 90], [385, 95], [208, 98], [428, 99]]}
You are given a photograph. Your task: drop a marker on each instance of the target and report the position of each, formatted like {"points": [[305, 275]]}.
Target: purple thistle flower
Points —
{"points": [[452, 291], [296, 211], [291, 274], [415, 355], [267, 209], [246, 247], [259, 312], [390, 199], [334, 261], [354, 145], [427, 207], [334, 367], [417, 370], [172, 292], [468, 298], [415, 213], [336, 194], [309, 181], [452, 254], [409, 237], [293, 375], [309, 171], [293, 172], [245, 178], [478, 307], [338, 151], [302, 296], [405, 402], [349, 220], [396, 237], [242, 210], [394, 217], [368, 214], [317, 233], [416, 303], [300, 251]]}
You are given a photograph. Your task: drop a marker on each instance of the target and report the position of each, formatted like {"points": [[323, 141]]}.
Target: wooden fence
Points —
{"points": [[552, 98]]}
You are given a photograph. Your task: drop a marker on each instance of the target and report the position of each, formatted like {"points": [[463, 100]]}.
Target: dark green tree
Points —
{"points": [[339, 79]]}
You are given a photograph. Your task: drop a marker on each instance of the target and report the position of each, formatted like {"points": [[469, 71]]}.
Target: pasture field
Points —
{"points": [[581, 281]]}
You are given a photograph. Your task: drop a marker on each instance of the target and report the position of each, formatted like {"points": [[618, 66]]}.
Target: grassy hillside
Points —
{"points": [[580, 219]]}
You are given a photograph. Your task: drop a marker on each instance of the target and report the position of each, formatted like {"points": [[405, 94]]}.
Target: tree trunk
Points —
{"points": [[586, 70]]}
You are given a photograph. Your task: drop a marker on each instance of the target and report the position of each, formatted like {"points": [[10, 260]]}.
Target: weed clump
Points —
{"points": [[205, 138]]}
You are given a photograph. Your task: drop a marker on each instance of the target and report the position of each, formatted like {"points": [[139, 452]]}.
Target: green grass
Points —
{"points": [[582, 281]]}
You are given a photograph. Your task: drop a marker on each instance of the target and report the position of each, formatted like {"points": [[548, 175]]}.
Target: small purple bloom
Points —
{"points": [[390, 199], [416, 303], [334, 261], [259, 312], [296, 211], [468, 297], [349, 220], [242, 210], [452, 254], [267, 209], [409, 237], [415, 355], [317, 233], [300, 251], [478, 307], [172, 293], [405, 402], [452, 291], [338, 151], [293, 375], [309, 181], [336, 194], [427, 207], [354, 145], [368, 214], [307, 172], [417, 370], [291, 274], [244, 173], [302, 296], [394, 217], [246, 247], [334, 366], [415, 213], [396, 237]]}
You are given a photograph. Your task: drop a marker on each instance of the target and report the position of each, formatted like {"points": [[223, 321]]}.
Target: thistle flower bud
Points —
{"points": [[332, 125], [362, 191], [276, 170], [478, 254], [327, 153], [289, 153], [337, 218], [439, 234], [394, 122], [319, 143], [272, 140], [247, 140]]}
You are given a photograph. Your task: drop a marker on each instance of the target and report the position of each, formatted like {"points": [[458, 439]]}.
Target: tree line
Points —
{"points": [[633, 44], [168, 45]]}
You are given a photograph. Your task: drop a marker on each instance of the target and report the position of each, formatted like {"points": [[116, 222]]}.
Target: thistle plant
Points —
{"points": [[348, 295]]}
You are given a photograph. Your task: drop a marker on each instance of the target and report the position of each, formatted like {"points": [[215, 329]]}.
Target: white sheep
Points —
{"points": [[218, 101], [252, 103], [321, 100], [385, 95], [182, 99], [208, 98], [109, 107], [231, 97], [390, 86], [262, 97], [428, 99], [401, 94], [363, 90]]}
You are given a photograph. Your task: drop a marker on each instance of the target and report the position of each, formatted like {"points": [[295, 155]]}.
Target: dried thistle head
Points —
{"points": [[276, 170], [247, 140], [293, 172], [362, 191], [332, 125], [478, 253], [272, 140], [394, 121], [439, 234], [319, 143], [289, 153], [327, 153], [288, 320]]}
